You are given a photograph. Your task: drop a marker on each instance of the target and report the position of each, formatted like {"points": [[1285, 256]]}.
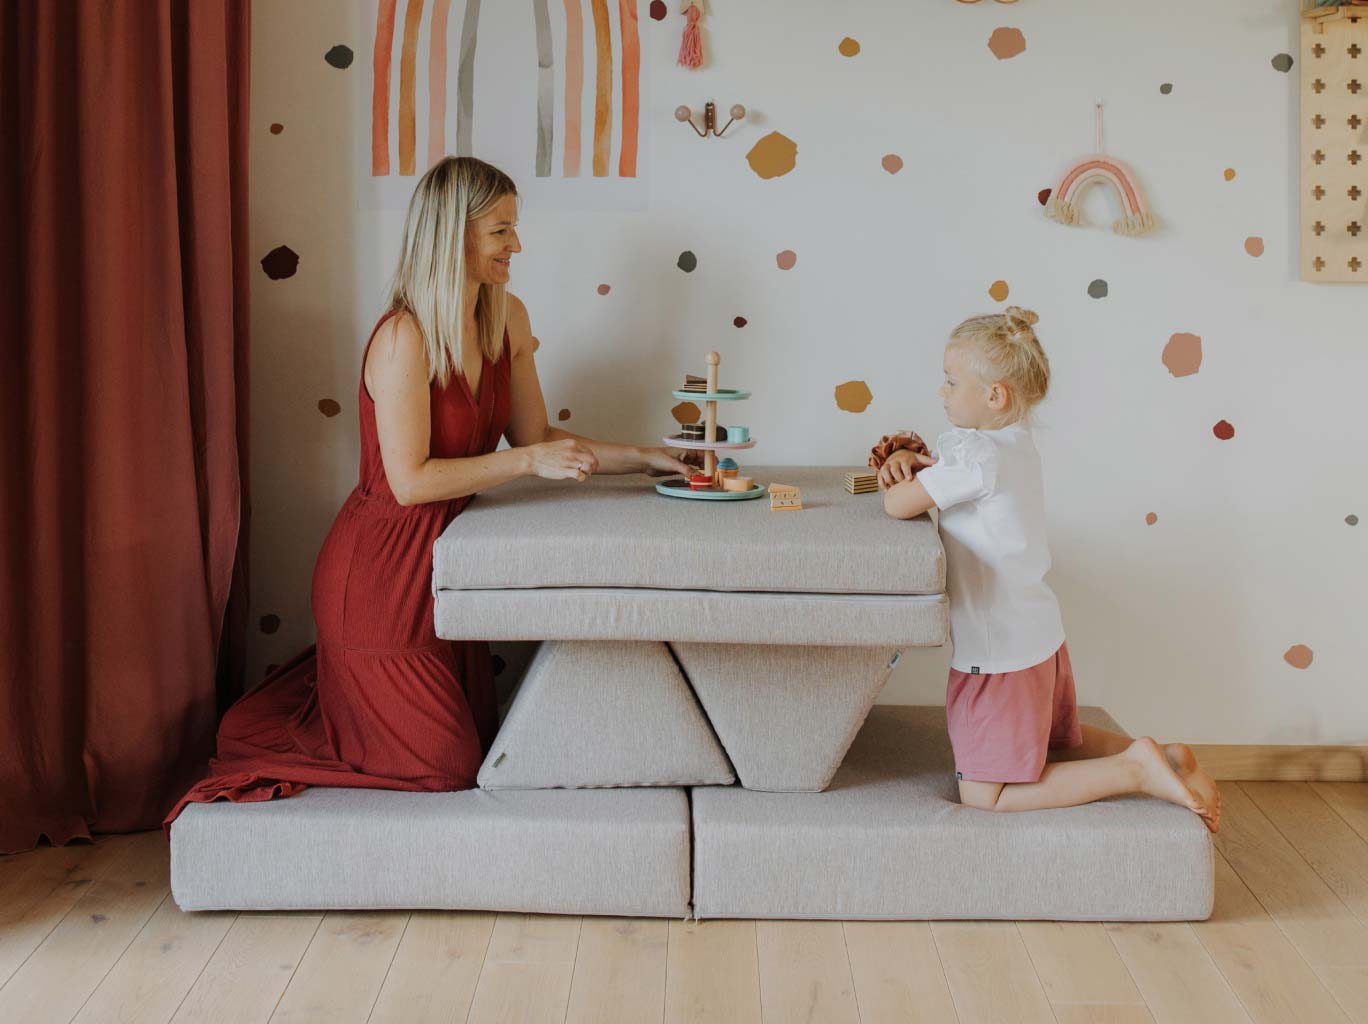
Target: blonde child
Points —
{"points": [[1010, 703]]}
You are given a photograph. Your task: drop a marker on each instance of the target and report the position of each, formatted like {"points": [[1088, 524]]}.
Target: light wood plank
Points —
{"points": [[1076, 963], [1283, 762], [805, 973], [62, 972], [1174, 973], [1350, 802], [990, 973], [714, 973], [156, 972], [41, 887], [1325, 841], [1273, 982], [897, 972], [1103, 1013], [533, 939], [522, 993], [1322, 928], [343, 969], [619, 971], [245, 978], [436, 970]]}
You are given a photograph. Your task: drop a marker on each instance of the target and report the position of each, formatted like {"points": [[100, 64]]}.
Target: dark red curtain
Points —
{"points": [[123, 404]]}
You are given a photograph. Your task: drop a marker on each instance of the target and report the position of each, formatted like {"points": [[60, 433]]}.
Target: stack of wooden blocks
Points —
{"points": [[785, 498], [858, 481]]}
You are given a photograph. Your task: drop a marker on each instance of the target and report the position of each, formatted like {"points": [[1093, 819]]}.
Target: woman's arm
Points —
{"points": [[528, 424], [397, 380]]}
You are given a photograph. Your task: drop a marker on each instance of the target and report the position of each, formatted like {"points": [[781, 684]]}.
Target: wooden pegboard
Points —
{"points": [[1334, 145]]}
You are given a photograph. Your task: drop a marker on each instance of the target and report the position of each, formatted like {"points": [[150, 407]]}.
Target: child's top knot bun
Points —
{"points": [[1019, 323]]}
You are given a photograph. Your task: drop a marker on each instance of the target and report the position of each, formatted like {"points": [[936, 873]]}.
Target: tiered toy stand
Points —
{"points": [[710, 446]]}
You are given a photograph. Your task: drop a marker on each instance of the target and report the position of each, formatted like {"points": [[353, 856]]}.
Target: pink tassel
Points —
{"points": [[691, 49]]}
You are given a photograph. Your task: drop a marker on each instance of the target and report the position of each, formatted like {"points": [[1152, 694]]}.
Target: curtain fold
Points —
{"points": [[124, 280]]}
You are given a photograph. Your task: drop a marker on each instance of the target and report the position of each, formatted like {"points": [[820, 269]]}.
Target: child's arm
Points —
{"points": [[907, 500]]}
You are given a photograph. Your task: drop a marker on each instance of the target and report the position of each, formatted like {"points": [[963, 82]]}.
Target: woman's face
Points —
{"points": [[491, 241]]}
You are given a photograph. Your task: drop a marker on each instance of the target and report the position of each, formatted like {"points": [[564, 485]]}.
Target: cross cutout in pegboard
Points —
{"points": [[1353, 157], [1318, 228], [1354, 50], [1354, 192], [1318, 263], [1353, 228], [1318, 50], [1355, 263], [1319, 86], [1318, 156], [1318, 121], [1318, 193], [1354, 86], [1354, 121]]}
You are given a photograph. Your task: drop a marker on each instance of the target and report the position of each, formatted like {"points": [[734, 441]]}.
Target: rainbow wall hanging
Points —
{"points": [[1135, 219], [565, 39]]}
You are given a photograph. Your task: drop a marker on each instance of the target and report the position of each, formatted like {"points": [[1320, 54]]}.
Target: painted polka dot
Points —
{"points": [[277, 128], [563, 415], [1298, 656], [1183, 354], [892, 163], [339, 56], [280, 262], [270, 623], [1229, 174], [773, 156], [329, 407], [1166, 88], [1254, 245], [853, 396], [1282, 62], [1043, 196], [1351, 519], [848, 47], [740, 321], [786, 260], [1151, 519], [1006, 43], [686, 412], [1224, 430], [536, 343], [658, 10], [1098, 289], [687, 262], [997, 291], [604, 289]]}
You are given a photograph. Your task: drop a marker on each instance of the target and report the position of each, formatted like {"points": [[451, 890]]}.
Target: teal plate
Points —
{"points": [[722, 395], [679, 488]]}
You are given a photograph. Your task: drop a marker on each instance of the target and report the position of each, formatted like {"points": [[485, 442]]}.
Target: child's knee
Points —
{"points": [[981, 795]]}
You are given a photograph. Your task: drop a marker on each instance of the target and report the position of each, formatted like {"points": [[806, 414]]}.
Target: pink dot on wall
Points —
{"points": [[604, 289], [892, 163], [786, 260], [1151, 519], [1254, 245], [1224, 430], [1298, 656]]}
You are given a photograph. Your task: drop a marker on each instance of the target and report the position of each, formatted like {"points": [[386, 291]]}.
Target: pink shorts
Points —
{"points": [[1002, 724]]}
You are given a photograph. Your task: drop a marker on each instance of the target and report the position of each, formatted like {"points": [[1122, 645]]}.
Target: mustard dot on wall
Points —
{"points": [[786, 260], [1151, 519], [563, 415], [536, 343], [773, 156], [997, 291], [1230, 174], [1298, 656], [329, 407], [853, 396], [604, 289], [848, 47], [270, 623], [1254, 245], [892, 163], [1006, 43]]}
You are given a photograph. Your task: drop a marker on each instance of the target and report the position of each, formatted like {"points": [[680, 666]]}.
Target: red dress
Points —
{"points": [[380, 701]]}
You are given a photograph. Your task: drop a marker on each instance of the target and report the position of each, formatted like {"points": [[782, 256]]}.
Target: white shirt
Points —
{"points": [[991, 495]]}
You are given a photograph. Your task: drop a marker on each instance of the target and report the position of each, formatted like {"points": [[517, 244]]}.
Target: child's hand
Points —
{"points": [[902, 465]]}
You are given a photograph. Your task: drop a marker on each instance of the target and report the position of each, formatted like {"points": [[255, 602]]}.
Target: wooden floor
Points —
{"points": [[91, 934]]}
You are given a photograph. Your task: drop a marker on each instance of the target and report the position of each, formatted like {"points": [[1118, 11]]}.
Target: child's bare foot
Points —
{"points": [[1195, 777], [1156, 777]]}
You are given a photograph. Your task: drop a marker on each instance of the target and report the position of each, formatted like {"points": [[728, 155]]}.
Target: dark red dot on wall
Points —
{"points": [[1043, 196], [563, 415], [328, 407], [270, 623], [1224, 430], [277, 128], [740, 321], [658, 11], [280, 262]]}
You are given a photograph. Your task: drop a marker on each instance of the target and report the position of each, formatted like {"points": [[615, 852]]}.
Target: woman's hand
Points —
{"points": [[661, 462], [902, 465], [567, 459]]}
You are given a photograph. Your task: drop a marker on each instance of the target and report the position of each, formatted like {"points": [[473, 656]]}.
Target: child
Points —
{"points": [[1010, 701]]}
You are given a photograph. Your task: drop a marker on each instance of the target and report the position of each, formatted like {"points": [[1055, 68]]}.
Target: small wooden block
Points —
{"points": [[737, 483]]}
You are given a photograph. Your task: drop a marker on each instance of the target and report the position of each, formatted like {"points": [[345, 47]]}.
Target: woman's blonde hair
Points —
{"points": [[430, 283], [1007, 350]]}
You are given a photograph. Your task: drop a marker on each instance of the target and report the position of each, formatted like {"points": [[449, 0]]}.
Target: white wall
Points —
{"points": [[1178, 628]]}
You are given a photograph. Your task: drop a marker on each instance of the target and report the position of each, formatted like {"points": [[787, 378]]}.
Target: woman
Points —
{"points": [[381, 701]]}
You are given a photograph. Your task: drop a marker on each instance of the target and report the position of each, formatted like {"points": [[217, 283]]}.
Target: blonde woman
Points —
{"points": [[381, 701], [1010, 703]]}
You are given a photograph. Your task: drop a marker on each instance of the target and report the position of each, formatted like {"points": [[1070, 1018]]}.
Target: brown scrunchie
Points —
{"points": [[890, 443]]}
